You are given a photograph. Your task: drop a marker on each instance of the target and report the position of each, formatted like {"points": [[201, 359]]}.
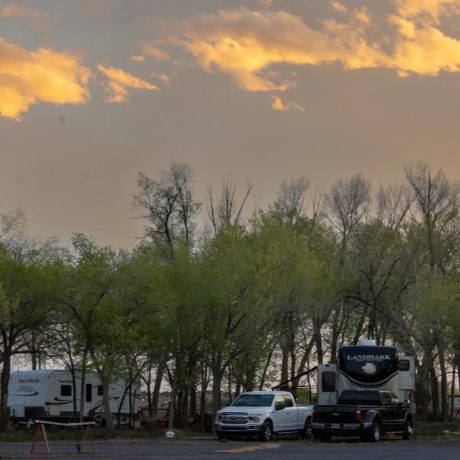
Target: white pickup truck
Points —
{"points": [[263, 414]]}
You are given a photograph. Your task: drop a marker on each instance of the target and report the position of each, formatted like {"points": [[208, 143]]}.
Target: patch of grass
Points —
{"points": [[75, 434], [437, 430]]}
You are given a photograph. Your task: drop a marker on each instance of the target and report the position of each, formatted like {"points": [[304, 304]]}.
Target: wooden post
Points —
{"points": [[40, 428], [85, 428]]}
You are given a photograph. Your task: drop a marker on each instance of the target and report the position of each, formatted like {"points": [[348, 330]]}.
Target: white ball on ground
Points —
{"points": [[170, 434]]}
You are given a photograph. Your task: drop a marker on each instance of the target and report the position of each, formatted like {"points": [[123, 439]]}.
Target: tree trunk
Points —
{"points": [[157, 388], [82, 384], [444, 389], [421, 391], [106, 404], [216, 384], [317, 323], [434, 393], [172, 412], [4, 381]]}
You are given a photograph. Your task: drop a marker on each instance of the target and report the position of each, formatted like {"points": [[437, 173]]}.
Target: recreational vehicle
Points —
{"points": [[366, 366], [53, 395]]}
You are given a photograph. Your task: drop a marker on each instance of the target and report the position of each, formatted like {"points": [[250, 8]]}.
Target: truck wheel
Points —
{"points": [[306, 432], [375, 432], [408, 430], [266, 432]]}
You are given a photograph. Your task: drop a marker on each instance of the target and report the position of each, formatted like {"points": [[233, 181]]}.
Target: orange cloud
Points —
{"points": [[27, 78], [422, 48], [165, 79], [37, 17], [119, 81], [431, 9], [138, 58], [289, 106], [155, 52], [246, 44]]}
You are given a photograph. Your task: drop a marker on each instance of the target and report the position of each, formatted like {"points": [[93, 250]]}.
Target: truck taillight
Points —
{"points": [[312, 415], [359, 415]]}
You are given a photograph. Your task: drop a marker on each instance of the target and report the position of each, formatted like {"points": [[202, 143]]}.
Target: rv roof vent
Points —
{"points": [[367, 343]]}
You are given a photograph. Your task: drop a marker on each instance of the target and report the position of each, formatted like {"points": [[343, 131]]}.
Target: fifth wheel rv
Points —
{"points": [[366, 366], [49, 395]]}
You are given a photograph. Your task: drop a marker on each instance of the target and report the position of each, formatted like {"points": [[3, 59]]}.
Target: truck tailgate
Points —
{"points": [[336, 414]]}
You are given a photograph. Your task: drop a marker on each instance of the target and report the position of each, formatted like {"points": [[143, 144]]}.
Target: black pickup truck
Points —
{"points": [[364, 413]]}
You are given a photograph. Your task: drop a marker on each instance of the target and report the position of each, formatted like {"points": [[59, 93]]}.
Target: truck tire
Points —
{"points": [[266, 432], [306, 432], [408, 430], [375, 433]]}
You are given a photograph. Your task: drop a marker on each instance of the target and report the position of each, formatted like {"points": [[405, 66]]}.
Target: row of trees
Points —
{"points": [[245, 301]]}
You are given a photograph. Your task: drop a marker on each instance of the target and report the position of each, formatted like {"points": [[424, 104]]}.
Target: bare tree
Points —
{"points": [[290, 201], [11, 226], [392, 206], [347, 204], [227, 211], [436, 207], [168, 206], [436, 213]]}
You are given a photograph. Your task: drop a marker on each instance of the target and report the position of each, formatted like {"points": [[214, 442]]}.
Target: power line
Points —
{"points": [[62, 224]]}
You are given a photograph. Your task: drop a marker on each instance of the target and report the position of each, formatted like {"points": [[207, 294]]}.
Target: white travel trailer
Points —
{"points": [[366, 365], [49, 394]]}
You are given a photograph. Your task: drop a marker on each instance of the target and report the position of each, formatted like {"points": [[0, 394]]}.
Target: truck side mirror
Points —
{"points": [[279, 405]]}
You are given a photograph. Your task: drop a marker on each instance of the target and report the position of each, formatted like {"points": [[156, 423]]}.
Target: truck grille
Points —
{"points": [[234, 417]]}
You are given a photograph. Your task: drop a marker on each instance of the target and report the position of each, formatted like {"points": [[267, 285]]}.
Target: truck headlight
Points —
{"points": [[219, 416], [254, 418]]}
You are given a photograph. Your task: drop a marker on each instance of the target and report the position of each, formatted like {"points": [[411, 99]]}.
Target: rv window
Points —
{"points": [[100, 390], [328, 382], [89, 392], [404, 365], [66, 390]]}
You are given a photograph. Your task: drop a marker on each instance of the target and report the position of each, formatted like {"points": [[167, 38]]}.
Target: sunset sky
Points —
{"points": [[92, 92]]}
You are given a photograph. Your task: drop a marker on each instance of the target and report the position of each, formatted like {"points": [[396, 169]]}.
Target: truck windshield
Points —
{"points": [[253, 400]]}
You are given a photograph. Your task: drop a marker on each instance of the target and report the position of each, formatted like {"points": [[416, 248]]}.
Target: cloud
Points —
{"points": [[93, 7], [27, 78], [432, 9], [247, 44], [165, 79], [138, 58], [422, 47], [289, 106], [155, 52], [244, 44], [35, 16], [337, 6], [119, 81]]}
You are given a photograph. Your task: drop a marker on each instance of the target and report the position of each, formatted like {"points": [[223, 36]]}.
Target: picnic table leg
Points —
{"points": [[40, 427]]}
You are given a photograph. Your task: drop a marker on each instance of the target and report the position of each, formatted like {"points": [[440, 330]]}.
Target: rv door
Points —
{"points": [[327, 384], [406, 366]]}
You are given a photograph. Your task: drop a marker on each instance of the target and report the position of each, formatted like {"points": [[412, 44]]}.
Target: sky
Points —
{"points": [[93, 92]]}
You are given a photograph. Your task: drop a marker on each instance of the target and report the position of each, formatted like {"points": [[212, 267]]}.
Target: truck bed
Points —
{"points": [[352, 416]]}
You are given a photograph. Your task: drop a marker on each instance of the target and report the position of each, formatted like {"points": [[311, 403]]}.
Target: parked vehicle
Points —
{"points": [[364, 413], [366, 365], [53, 395], [262, 414]]}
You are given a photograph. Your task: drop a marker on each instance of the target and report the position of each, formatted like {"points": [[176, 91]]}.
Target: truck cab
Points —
{"points": [[262, 414]]}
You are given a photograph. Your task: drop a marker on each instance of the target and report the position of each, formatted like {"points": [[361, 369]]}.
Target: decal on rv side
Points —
{"points": [[25, 390]]}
